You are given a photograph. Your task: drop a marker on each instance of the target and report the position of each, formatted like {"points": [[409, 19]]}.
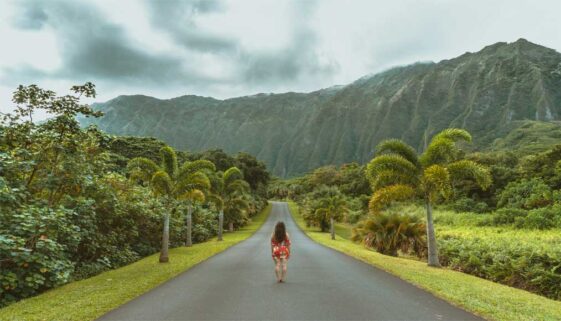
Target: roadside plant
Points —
{"points": [[171, 184], [331, 208], [229, 195], [398, 173], [390, 232]]}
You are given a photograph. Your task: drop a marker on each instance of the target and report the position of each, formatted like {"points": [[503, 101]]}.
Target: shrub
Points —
{"points": [[526, 265], [466, 204], [388, 233], [34, 243], [543, 218], [526, 194], [205, 225], [504, 216]]}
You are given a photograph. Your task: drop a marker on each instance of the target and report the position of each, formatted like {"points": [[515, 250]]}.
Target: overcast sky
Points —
{"points": [[227, 48]]}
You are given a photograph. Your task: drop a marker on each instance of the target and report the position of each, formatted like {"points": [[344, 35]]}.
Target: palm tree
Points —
{"points": [[195, 192], [399, 173], [171, 184], [332, 207], [228, 194]]}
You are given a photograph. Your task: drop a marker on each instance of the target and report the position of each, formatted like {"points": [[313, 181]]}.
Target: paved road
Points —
{"points": [[322, 284]]}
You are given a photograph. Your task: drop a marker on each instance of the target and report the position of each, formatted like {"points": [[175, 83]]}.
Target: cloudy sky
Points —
{"points": [[227, 48]]}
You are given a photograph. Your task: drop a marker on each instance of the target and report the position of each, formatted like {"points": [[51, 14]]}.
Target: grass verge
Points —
{"points": [[91, 298], [490, 300]]}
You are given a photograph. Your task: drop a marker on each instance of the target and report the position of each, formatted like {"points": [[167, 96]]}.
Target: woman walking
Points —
{"points": [[280, 250]]}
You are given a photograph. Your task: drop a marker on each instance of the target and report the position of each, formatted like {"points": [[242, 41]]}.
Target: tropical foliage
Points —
{"points": [[69, 211], [173, 186], [507, 233], [324, 205], [389, 233], [230, 196], [397, 173], [330, 208]]}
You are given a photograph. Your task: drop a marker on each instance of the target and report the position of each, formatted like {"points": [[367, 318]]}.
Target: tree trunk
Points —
{"points": [[189, 221], [220, 224], [332, 228], [164, 258], [231, 226], [431, 238]]}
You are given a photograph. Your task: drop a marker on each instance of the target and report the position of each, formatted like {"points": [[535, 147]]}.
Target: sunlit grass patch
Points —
{"points": [[90, 298]]}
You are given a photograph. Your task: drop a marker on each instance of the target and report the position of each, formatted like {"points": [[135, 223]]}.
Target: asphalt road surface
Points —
{"points": [[322, 284]]}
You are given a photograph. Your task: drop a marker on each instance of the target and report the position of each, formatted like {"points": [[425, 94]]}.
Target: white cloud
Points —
{"points": [[232, 48]]}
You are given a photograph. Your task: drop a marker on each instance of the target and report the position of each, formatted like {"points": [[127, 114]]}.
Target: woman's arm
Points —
{"points": [[271, 242], [288, 245]]}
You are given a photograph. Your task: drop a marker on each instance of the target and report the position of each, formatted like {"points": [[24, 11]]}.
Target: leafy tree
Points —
{"points": [[352, 180], [229, 196], [326, 175], [254, 172], [543, 165], [333, 207], [218, 157], [171, 184], [526, 194], [315, 201], [399, 173]]}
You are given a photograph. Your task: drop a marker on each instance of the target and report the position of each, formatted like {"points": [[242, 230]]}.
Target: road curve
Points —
{"points": [[322, 284]]}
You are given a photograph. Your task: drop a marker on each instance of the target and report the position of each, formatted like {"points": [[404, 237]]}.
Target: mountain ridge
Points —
{"points": [[295, 132]]}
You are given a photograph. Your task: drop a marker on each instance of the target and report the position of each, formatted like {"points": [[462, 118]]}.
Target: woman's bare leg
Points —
{"points": [[284, 268], [278, 269]]}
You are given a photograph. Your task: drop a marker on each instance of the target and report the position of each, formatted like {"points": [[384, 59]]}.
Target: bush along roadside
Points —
{"points": [[518, 264]]}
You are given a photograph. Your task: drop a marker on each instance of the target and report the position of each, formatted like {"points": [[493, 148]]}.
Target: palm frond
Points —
{"points": [[197, 180], [196, 166], [436, 180], [467, 169], [239, 203], [169, 160], [216, 182], [439, 151], [442, 148], [454, 134], [399, 147], [322, 212], [390, 162], [384, 196], [391, 177], [237, 186], [232, 174], [216, 200], [161, 183], [142, 168], [194, 195]]}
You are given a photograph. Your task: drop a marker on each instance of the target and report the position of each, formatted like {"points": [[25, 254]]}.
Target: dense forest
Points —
{"points": [[76, 201], [496, 215]]}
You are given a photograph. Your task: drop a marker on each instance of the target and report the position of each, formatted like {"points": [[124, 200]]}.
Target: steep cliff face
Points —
{"points": [[487, 93]]}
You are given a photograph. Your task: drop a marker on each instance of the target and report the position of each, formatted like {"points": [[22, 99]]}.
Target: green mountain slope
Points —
{"points": [[490, 93]]}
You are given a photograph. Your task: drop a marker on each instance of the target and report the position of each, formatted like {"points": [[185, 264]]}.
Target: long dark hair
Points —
{"points": [[280, 232]]}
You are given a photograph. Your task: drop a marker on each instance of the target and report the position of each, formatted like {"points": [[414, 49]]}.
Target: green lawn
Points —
{"points": [[344, 230], [490, 300], [90, 298]]}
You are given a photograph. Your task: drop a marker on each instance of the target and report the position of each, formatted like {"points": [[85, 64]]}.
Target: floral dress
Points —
{"points": [[281, 250]]}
